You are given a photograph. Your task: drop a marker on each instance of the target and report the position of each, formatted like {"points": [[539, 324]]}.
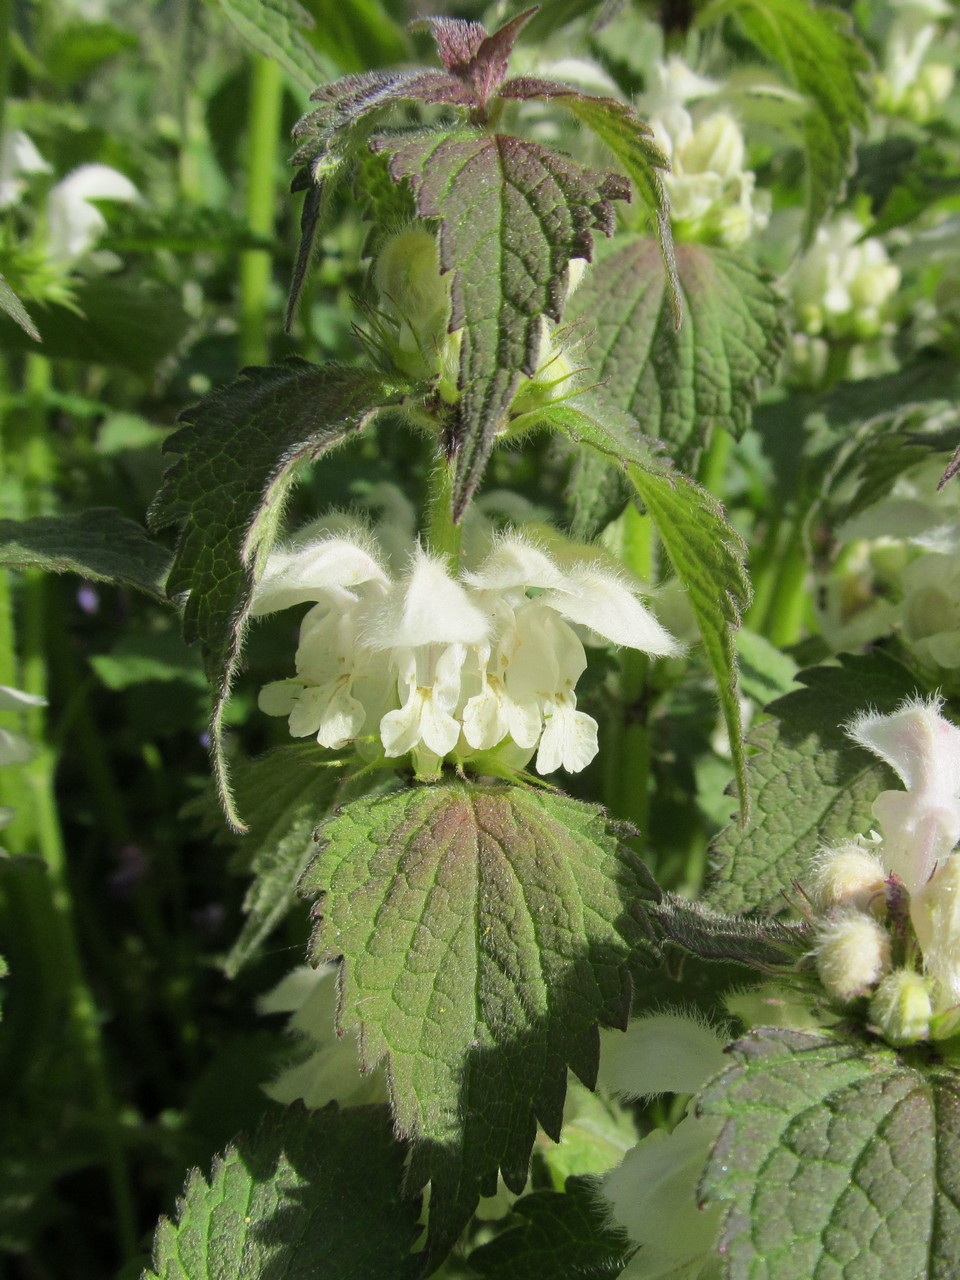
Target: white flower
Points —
{"points": [[653, 1193], [909, 84], [434, 667], [331, 1071], [74, 224], [14, 747], [18, 155], [920, 825], [841, 285]]}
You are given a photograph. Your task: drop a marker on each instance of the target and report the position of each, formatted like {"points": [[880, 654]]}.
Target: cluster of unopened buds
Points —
{"points": [[429, 665], [888, 909]]}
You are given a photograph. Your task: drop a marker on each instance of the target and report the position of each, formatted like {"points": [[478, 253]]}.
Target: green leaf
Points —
{"points": [[272, 27], [311, 1194], [760, 943], [100, 544], [836, 1159], [240, 452], [484, 932], [285, 793], [128, 321], [708, 557], [815, 46], [566, 1236], [512, 214], [11, 304], [681, 384], [811, 785]]}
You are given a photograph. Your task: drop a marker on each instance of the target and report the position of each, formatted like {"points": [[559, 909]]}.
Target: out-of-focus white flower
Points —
{"points": [[331, 1072], [652, 1195], [910, 83], [14, 747], [711, 191], [74, 224], [431, 666], [18, 155], [841, 285]]}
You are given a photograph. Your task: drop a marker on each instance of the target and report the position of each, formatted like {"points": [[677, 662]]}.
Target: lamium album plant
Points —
{"points": [[479, 640]]}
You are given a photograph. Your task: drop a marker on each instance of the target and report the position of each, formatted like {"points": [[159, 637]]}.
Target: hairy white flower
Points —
{"points": [[431, 666], [920, 825], [853, 954]]}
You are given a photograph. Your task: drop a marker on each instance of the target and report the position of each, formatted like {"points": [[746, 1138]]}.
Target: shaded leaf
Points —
{"points": [[100, 544], [837, 1159], [811, 785], [241, 449], [484, 932], [512, 214], [273, 28], [566, 1235], [286, 794], [815, 46], [682, 384], [311, 1194]]}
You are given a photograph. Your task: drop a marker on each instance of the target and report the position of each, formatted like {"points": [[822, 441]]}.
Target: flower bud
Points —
{"points": [[847, 876], [901, 1007], [853, 954], [935, 914]]}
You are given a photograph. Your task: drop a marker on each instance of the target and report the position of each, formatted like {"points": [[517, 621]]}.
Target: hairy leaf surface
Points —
{"points": [[275, 1205], [100, 544], [815, 46], [484, 932], [566, 1236], [274, 28], [681, 384], [811, 785], [512, 214], [240, 452], [836, 1160]]}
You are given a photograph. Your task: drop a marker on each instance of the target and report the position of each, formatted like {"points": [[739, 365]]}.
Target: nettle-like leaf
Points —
{"points": [[484, 932], [681, 384], [565, 1236], [815, 46], [511, 213], [274, 28], [706, 552], [761, 943], [836, 1159], [100, 544], [274, 1205], [811, 785], [240, 452]]}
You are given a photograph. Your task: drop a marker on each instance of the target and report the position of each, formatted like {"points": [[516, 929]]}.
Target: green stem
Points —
{"points": [[256, 265], [443, 536], [713, 464], [783, 624]]}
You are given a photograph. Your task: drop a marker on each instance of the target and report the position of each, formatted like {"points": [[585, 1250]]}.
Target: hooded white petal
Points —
{"points": [[74, 225], [427, 607], [330, 569], [605, 604]]}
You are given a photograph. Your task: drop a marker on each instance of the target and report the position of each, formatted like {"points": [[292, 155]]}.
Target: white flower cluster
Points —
{"points": [[899, 571], [842, 284], [865, 893], [432, 666], [712, 193], [911, 82]]}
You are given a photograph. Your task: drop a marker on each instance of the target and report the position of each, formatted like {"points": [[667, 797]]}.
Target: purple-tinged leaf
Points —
{"points": [[477, 59], [512, 214]]}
